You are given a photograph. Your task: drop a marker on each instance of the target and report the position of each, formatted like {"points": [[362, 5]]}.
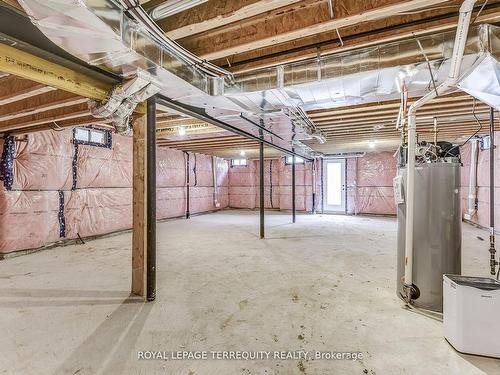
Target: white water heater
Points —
{"points": [[471, 309]]}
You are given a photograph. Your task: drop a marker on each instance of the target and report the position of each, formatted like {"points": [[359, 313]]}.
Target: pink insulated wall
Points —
{"points": [[369, 184], [482, 216], [244, 185], [59, 191]]}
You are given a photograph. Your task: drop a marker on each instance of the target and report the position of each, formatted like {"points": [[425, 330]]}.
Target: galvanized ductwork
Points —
{"points": [[119, 36]]}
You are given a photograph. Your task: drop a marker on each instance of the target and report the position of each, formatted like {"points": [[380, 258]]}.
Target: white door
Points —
{"points": [[334, 185]]}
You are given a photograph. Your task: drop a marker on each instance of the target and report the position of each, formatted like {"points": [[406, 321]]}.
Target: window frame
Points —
{"points": [[301, 161], [233, 164], [107, 134]]}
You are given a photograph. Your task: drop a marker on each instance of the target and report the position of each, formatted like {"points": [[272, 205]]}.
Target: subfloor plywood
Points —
{"points": [[326, 283]]}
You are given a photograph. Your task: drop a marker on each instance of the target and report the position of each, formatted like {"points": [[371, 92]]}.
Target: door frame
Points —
{"points": [[342, 208]]}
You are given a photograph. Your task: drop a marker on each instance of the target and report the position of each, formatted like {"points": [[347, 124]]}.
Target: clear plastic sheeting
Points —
{"points": [[370, 184], [483, 80], [370, 74]]}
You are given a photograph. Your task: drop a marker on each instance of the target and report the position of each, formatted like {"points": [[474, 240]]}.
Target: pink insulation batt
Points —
{"points": [[102, 199], [482, 217], [369, 183], [244, 185]]}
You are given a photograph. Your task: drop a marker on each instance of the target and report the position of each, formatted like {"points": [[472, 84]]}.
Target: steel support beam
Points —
{"points": [[200, 114], [151, 198], [261, 203]]}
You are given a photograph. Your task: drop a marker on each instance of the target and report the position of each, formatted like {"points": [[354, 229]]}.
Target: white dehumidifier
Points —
{"points": [[471, 312]]}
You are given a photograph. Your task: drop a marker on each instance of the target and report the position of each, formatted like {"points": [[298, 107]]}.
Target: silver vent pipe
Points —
{"points": [[449, 84]]}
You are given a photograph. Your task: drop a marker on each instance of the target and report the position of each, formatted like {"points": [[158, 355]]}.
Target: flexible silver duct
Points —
{"points": [[125, 98]]}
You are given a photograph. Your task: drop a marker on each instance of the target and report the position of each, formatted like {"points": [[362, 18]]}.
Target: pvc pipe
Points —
{"points": [[471, 199], [216, 187], [456, 61], [493, 262]]}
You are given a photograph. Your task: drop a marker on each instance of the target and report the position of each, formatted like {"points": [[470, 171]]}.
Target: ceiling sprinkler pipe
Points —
{"points": [[450, 83]]}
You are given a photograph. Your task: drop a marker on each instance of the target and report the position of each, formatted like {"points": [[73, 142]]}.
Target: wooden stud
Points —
{"points": [[139, 215]]}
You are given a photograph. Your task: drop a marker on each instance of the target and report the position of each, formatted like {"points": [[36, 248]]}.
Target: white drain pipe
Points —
{"points": [[450, 83], [472, 198]]}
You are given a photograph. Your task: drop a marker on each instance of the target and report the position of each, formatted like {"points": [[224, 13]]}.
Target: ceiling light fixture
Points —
{"points": [[171, 7], [371, 144], [181, 130], [242, 153]]}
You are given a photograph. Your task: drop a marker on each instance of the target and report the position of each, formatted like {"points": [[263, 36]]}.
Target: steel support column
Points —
{"points": [[293, 189], [261, 203], [151, 199]]}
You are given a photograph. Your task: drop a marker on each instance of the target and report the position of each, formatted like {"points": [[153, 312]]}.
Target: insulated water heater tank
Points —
{"points": [[437, 234]]}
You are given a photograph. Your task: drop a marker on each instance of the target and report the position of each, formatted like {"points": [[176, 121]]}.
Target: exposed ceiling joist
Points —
{"points": [[310, 18], [14, 89], [40, 103], [214, 14], [357, 36]]}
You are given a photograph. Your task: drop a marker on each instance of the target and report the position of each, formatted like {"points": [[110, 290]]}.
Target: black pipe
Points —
{"points": [[188, 173], [322, 190], [293, 190], [271, 182], [493, 262], [151, 199], [261, 203], [313, 178]]}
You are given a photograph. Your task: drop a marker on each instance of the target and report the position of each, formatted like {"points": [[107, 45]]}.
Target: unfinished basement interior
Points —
{"points": [[255, 187]]}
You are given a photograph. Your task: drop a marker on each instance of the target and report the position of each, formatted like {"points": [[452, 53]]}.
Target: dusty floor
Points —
{"points": [[326, 283]]}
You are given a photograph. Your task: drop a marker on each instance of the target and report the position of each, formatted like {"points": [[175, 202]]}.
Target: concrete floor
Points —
{"points": [[326, 283]]}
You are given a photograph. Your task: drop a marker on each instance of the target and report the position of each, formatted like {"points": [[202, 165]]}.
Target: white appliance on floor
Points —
{"points": [[471, 314]]}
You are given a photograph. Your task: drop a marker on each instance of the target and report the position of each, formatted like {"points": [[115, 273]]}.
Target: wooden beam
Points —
{"points": [[41, 103], [139, 209], [309, 18], [214, 14], [13, 89], [61, 114], [36, 69], [80, 121], [357, 36]]}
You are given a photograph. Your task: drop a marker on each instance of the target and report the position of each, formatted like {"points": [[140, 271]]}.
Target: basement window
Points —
{"points": [[92, 136], [238, 162], [485, 142], [298, 160]]}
